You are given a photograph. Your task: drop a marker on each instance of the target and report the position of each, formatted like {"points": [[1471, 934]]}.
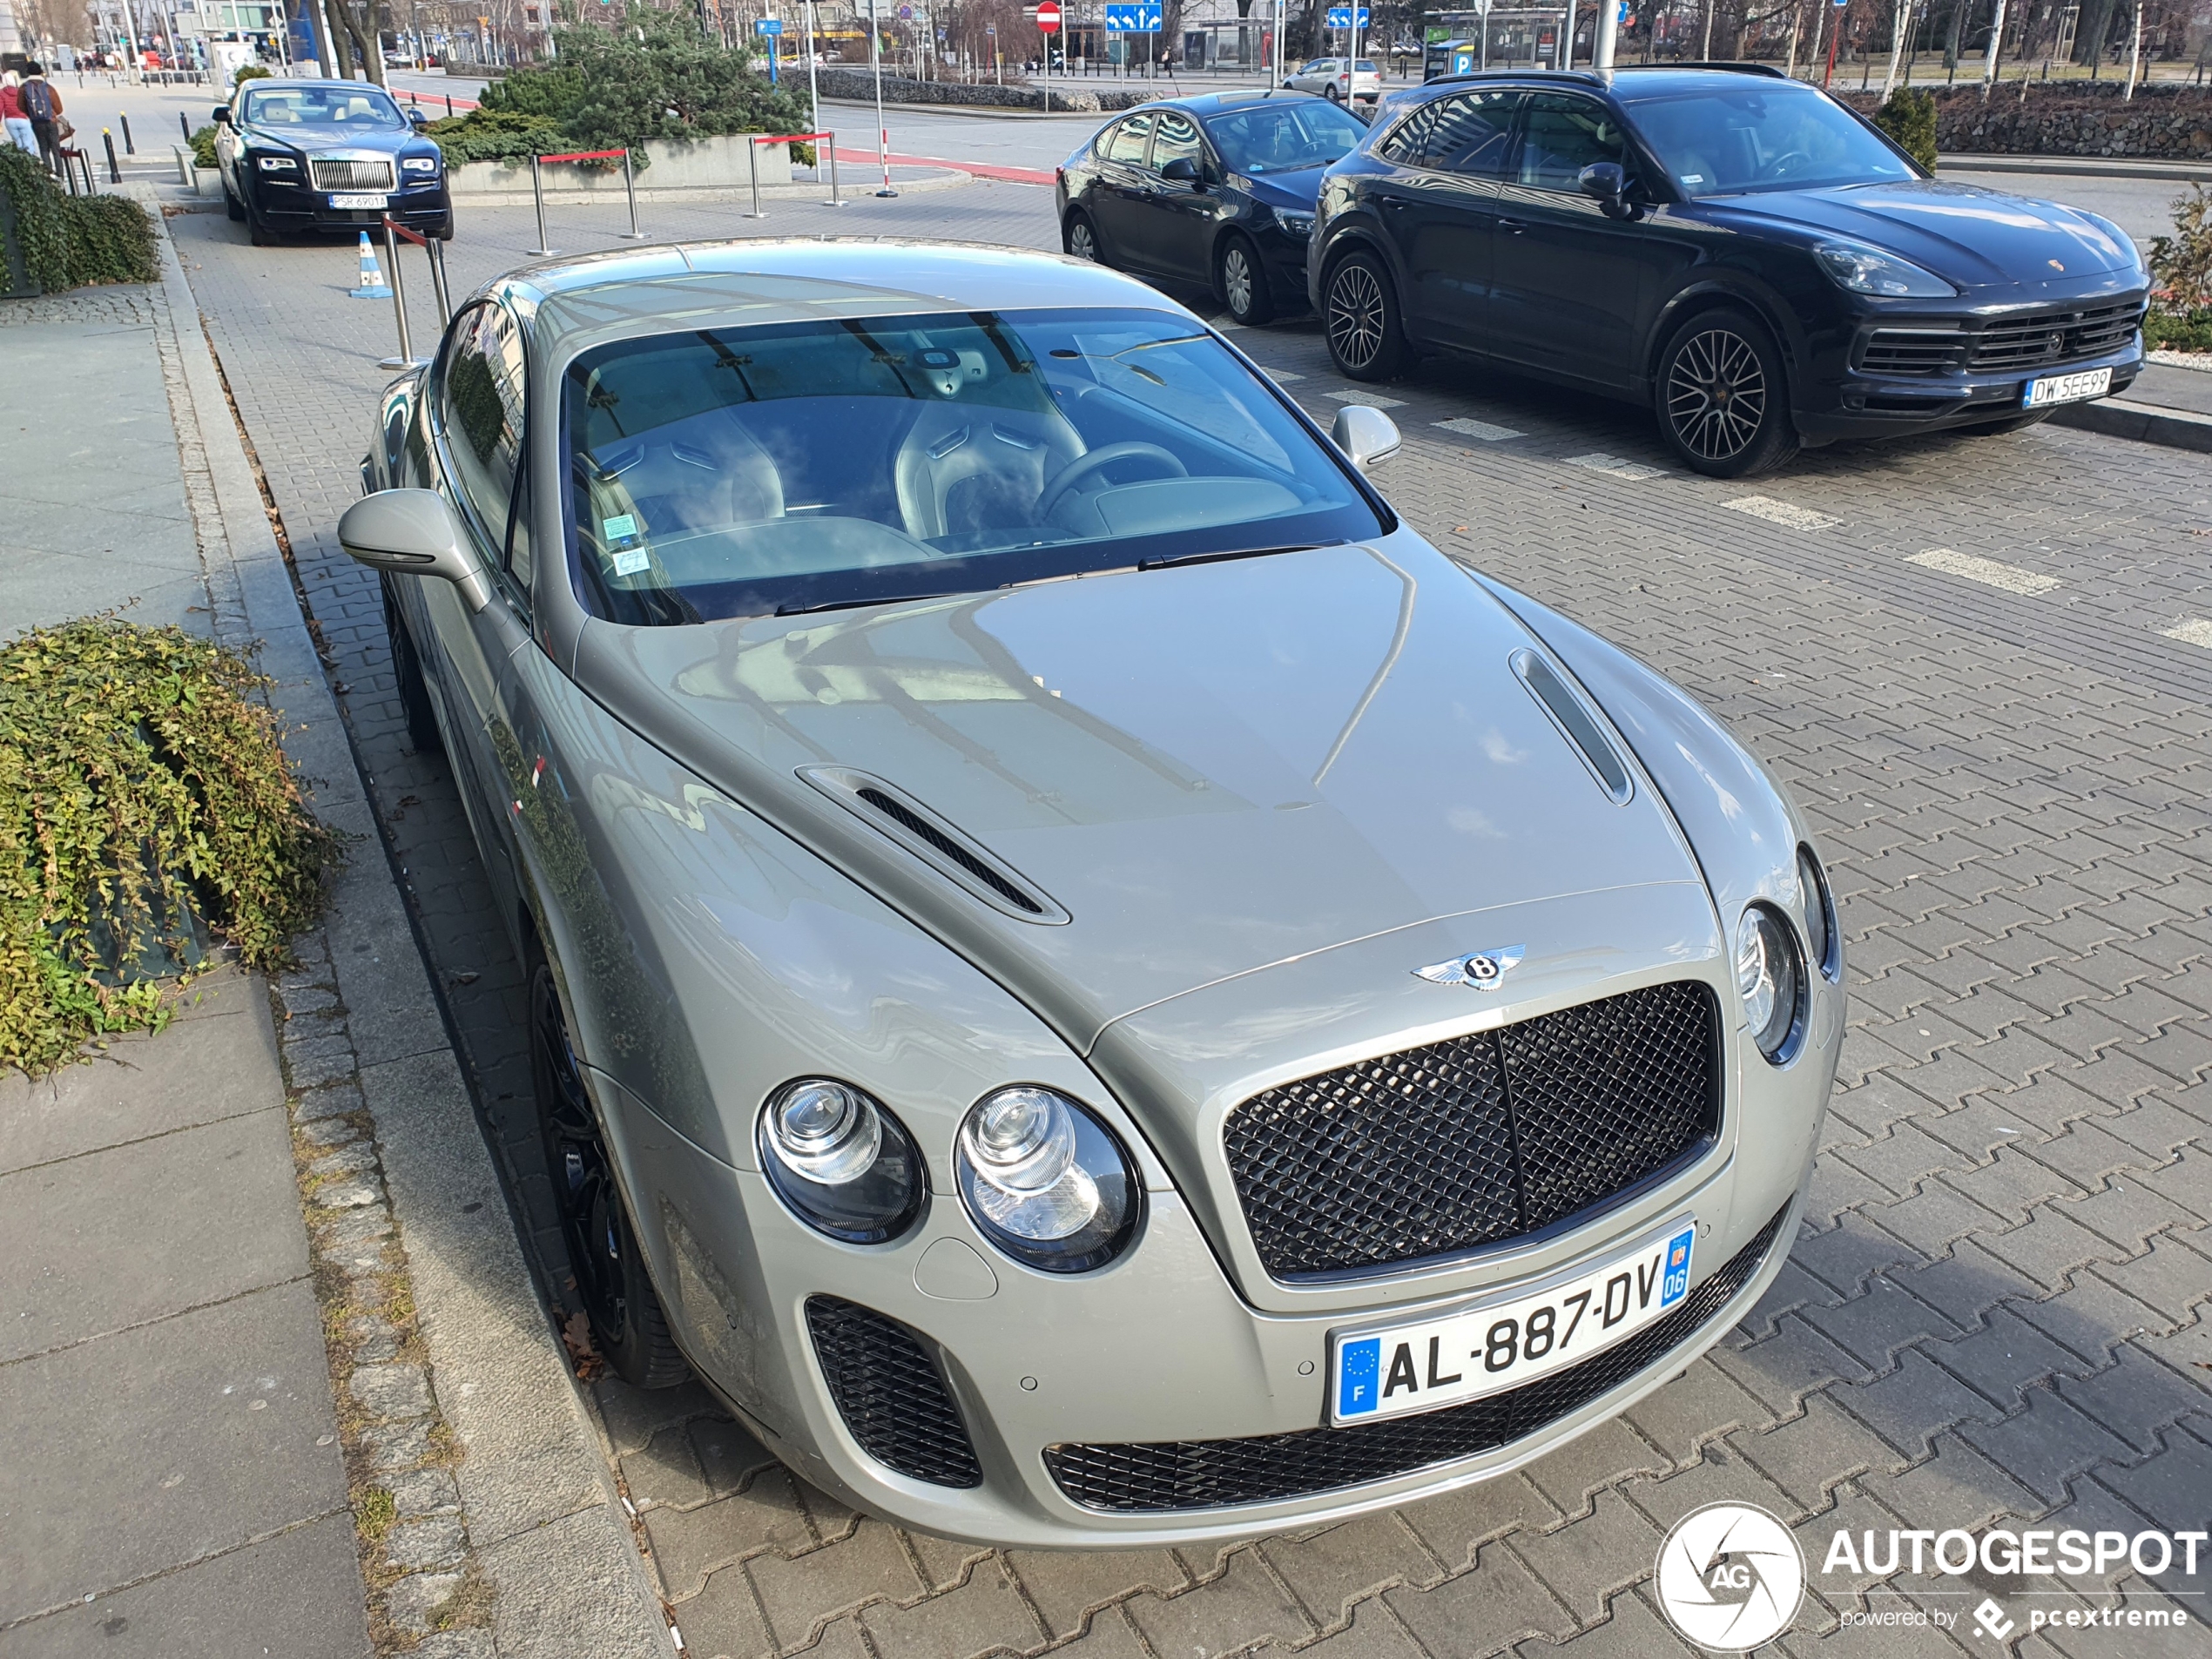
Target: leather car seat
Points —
{"points": [[964, 467]]}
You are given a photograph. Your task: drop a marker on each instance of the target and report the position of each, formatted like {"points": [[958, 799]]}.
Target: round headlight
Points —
{"points": [[1044, 1180], [1823, 943], [840, 1161], [1770, 981]]}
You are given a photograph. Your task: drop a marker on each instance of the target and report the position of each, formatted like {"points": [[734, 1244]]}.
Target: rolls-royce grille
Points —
{"points": [[2054, 337], [332, 174], [889, 1393], [1478, 1139], [1207, 1475]]}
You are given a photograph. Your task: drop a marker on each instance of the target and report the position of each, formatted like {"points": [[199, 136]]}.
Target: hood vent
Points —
{"points": [[1577, 722], [937, 843]]}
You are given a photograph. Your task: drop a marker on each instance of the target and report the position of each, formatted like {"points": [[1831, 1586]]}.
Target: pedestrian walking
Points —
{"points": [[13, 122], [41, 106]]}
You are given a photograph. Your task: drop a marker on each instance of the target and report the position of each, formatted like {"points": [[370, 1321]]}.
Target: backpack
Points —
{"points": [[37, 100]]}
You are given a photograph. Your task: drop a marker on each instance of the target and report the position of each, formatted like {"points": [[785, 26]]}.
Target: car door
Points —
{"points": [[1119, 197], [1440, 208], [1568, 281], [477, 408], [1175, 222]]}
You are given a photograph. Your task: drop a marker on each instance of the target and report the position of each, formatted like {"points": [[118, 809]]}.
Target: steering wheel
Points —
{"points": [[1082, 467], [1787, 163]]}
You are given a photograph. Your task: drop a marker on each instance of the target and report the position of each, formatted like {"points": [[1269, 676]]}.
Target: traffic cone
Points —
{"points": [[373, 286]]}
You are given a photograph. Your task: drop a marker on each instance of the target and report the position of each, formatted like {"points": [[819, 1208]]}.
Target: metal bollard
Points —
{"points": [[538, 193], [753, 167], [407, 358], [123, 117], [436, 250], [114, 167], [186, 125], [630, 187], [448, 106], [835, 200]]}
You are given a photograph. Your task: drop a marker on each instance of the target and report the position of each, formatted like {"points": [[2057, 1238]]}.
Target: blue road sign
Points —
{"points": [[1340, 17], [1133, 20], [768, 26]]}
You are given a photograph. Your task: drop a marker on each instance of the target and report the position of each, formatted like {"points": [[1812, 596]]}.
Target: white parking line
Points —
{"points": [[1598, 460], [1368, 398], [2010, 577], [1282, 376], [1481, 429], [1781, 513], [2195, 631]]}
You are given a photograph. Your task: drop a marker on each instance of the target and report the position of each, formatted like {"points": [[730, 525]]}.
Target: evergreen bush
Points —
{"points": [[1908, 115], [70, 240]]}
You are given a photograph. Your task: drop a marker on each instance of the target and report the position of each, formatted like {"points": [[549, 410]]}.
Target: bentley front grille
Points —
{"points": [[1207, 1475], [1440, 1150], [330, 173]]}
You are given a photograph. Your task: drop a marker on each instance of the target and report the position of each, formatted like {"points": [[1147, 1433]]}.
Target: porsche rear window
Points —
{"points": [[812, 464]]}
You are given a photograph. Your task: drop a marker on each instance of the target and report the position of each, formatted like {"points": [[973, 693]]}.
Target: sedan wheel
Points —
{"points": [[1242, 283], [1081, 239], [627, 1325], [1724, 404], [1360, 310]]}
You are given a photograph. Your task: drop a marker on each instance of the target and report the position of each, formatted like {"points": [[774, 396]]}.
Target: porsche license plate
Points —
{"points": [[2067, 388], [1494, 1346], [379, 203]]}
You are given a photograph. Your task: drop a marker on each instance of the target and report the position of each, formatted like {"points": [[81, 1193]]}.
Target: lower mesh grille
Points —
{"points": [[889, 1390], [1210, 1474]]}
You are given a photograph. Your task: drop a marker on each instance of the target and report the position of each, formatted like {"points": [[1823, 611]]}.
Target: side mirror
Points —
{"points": [[1607, 184], [413, 532], [1183, 171], [1365, 435], [222, 115]]}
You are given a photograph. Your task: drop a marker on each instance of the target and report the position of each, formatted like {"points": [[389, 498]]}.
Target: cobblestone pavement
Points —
{"points": [[1982, 665]]}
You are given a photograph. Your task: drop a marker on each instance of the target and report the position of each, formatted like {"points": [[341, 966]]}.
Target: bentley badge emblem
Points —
{"points": [[1485, 970]]}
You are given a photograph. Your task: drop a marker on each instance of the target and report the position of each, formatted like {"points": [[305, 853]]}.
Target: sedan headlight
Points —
{"points": [[1868, 270], [1770, 981], [418, 163], [276, 163], [842, 1163], [1298, 225], [1044, 1181]]}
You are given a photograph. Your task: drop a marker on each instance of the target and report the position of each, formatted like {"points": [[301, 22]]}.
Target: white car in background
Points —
{"points": [[1354, 81]]}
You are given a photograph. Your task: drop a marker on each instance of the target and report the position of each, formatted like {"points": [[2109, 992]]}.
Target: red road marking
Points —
{"points": [[977, 168]]}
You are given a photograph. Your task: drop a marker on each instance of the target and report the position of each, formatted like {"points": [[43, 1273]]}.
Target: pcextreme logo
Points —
{"points": [[1731, 1577]]}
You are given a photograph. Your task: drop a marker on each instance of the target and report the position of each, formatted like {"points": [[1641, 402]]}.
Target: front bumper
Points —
{"points": [[1054, 1379], [421, 208]]}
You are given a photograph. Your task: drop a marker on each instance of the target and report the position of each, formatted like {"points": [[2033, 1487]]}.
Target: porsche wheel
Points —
{"points": [[1359, 311], [1723, 402], [627, 1325]]}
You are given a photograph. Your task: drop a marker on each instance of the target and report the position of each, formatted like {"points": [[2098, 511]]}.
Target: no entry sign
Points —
{"points": [[1048, 16]]}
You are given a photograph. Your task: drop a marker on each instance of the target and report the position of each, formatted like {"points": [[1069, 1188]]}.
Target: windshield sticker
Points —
{"points": [[1693, 179], [632, 560], [619, 528]]}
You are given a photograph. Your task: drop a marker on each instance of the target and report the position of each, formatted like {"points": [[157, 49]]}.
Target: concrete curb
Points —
{"points": [[2077, 166], [544, 1521], [2143, 422]]}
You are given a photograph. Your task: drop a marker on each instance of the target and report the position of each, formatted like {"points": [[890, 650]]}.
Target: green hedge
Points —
{"points": [[1909, 117], [69, 241], [203, 147], [494, 135]]}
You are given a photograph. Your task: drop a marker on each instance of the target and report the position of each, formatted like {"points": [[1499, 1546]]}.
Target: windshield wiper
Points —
{"points": [[810, 606], [1240, 553]]}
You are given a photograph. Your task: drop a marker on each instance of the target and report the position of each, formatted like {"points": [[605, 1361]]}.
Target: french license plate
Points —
{"points": [[1478, 1351], [2067, 388], [377, 202]]}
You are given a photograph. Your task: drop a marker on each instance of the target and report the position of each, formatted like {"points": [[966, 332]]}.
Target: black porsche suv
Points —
{"points": [[1738, 250]]}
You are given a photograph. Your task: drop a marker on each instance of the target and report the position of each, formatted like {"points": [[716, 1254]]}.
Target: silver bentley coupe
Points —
{"points": [[1096, 987]]}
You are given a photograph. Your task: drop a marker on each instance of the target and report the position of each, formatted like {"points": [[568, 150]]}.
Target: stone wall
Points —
{"points": [[860, 84], [2069, 118]]}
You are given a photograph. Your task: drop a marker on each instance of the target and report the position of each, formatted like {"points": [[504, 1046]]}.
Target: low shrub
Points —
{"points": [[2178, 330], [70, 240], [1909, 117], [248, 72], [42, 233], [203, 147], [142, 784], [496, 135], [2181, 265]]}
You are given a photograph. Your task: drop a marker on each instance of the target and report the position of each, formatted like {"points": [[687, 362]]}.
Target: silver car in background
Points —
{"points": [[1356, 82], [1096, 987]]}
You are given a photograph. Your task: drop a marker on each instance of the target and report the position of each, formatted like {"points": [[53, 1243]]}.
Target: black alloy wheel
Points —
{"points": [[1080, 238], [627, 1325], [1241, 282], [1724, 403], [407, 671], [1359, 312]]}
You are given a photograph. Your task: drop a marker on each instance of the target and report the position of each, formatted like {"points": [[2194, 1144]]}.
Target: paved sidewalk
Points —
{"points": [[170, 1476]]}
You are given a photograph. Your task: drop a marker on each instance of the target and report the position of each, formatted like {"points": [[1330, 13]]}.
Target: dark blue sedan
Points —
{"points": [[1214, 192], [1739, 253], [327, 155]]}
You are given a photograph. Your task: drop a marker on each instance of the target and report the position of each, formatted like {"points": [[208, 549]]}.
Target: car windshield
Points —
{"points": [[1284, 138], [360, 108], [803, 465], [1763, 135]]}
